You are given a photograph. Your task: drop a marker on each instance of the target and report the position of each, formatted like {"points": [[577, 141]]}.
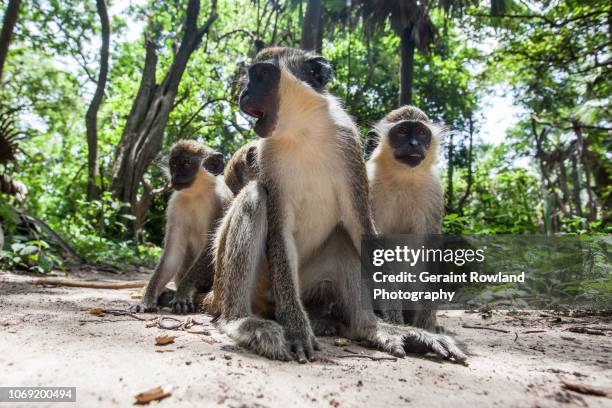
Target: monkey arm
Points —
{"points": [[361, 220], [289, 311], [169, 265], [198, 279]]}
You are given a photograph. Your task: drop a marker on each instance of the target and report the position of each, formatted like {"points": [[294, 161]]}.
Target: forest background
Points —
{"points": [[93, 94]]}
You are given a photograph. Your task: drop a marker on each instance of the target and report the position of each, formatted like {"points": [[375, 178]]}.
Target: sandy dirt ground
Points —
{"points": [[49, 338]]}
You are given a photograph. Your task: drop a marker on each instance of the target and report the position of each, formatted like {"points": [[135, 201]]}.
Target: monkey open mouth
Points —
{"points": [[257, 114]]}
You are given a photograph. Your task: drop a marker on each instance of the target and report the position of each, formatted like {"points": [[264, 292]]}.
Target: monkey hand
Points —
{"points": [[183, 302], [399, 340], [301, 340], [145, 306], [421, 341]]}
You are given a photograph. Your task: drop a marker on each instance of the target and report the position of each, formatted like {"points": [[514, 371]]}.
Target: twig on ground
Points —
{"points": [[117, 312], [366, 356], [586, 389], [586, 330], [467, 326], [533, 331], [78, 283], [571, 339]]}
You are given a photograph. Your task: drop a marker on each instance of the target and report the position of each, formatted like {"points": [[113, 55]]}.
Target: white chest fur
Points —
{"points": [[193, 209], [313, 190], [405, 205]]}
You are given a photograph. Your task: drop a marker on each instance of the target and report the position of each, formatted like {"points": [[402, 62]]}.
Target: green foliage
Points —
{"points": [[554, 57]]}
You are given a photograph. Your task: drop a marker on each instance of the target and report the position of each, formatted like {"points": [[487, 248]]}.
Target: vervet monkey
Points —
{"points": [[239, 171], [311, 188], [405, 188], [193, 211]]}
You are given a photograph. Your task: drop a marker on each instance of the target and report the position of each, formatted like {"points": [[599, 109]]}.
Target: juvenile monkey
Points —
{"points": [[311, 193], [193, 210], [405, 188]]}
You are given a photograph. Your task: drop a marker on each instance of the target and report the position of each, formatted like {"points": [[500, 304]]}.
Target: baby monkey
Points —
{"points": [[405, 188], [198, 200]]}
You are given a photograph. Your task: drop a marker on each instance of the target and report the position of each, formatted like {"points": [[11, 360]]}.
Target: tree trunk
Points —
{"points": [[407, 45], [581, 156], [143, 134], [312, 34], [470, 175], [576, 185], [567, 201], [91, 117], [449, 188], [8, 23]]}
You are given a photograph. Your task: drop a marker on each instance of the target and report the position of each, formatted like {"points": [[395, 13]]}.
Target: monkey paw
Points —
{"points": [[302, 343], [421, 341], [144, 307], [324, 326], [182, 304]]}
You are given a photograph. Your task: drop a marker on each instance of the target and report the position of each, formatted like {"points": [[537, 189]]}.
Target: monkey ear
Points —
{"points": [[371, 142], [321, 72], [214, 164]]}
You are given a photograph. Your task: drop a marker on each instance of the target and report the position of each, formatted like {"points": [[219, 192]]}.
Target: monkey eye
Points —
{"points": [[262, 74]]}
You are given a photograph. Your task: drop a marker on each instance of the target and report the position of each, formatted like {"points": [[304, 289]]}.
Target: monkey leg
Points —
{"points": [[360, 323], [239, 257], [363, 225]]}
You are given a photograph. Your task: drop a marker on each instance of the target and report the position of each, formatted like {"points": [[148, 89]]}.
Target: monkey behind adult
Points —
{"points": [[193, 210], [405, 188], [312, 184]]}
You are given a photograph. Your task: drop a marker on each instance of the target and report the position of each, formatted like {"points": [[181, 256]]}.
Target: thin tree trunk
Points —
{"points": [[470, 175], [576, 185], [91, 118], [407, 45], [580, 155], [449, 188], [311, 26], [567, 201], [8, 23], [143, 134]]}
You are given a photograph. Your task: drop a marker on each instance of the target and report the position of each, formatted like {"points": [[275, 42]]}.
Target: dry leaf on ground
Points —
{"points": [[154, 394], [341, 342], [135, 295], [162, 339], [96, 311]]}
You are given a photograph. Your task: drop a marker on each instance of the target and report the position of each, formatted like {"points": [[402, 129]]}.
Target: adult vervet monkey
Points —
{"points": [[405, 188], [194, 208], [311, 193]]}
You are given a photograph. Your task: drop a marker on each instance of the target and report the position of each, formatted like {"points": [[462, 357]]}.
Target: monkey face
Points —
{"points": [[183, 170], [184, 167], [410, 140], [260, 96]]}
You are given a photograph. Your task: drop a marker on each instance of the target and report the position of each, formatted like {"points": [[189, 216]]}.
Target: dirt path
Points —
{"points": [[48, 338]]}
